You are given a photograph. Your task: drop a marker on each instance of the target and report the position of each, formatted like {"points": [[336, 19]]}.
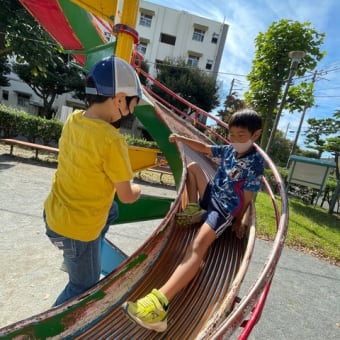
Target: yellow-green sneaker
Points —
{"points": [[150, 311], [192, 214]]}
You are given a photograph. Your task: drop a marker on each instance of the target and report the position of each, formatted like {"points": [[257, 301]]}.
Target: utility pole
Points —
{"points": [[231, 87], [300, 124], [296, 57], [287, 128]]}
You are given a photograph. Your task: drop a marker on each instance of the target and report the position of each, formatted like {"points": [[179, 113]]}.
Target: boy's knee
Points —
{"points": [[194, 168]]}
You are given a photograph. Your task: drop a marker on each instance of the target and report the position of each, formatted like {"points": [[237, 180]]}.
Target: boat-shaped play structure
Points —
{"points": [[210, 306]]}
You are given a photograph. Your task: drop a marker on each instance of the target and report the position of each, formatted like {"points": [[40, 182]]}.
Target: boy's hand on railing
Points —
{"points": [[173, 137], [239, 229]]}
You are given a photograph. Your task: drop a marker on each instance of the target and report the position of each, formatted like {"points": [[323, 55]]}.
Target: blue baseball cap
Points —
{"points": [[113, 75]]}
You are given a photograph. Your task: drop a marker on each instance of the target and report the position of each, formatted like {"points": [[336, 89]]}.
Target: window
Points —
{"points": [[142, 47], [214, 38], [198, 35], [168, 39], [4, 94], [145, 19], [209, 64], [23, 99], [193, 60]]}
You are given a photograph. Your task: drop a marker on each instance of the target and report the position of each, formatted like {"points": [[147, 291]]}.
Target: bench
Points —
{"points": [[36, 147], [162, 170]]}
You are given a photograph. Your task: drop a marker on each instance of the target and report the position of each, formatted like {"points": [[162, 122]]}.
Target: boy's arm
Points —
{"points": [[128, 192], [238, 227], [192, 143]]}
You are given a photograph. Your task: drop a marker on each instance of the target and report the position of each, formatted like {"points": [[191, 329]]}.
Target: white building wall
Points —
{"points": [[181, 25]]}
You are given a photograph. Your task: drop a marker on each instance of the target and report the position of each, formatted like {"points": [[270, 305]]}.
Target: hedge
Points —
{"points": [[18, 123]]}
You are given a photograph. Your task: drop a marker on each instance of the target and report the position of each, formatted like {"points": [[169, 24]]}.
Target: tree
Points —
{"points": [[55, 79], [271, 66], [323, 135], [306, 153], [231, 105], [40, 61], [145, 67], [4, 70], [10, 9], [317, 132], [190, 83], [280, 149], [333, 145]]}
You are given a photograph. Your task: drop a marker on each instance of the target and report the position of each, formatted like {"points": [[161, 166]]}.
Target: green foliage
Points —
{"points": [[4, 70], [130, 140], [268, 173], [28, 40], [40, 61], [318, 129], [271, 68], [231, 105], [300, 96], [280, 149], [14, 123], [54, 79], [9, 121], [190, 83], [307, 153], [9, 11], [145, 67]]}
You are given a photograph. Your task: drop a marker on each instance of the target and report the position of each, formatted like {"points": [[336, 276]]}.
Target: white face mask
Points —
{"points": [[242, 147]]}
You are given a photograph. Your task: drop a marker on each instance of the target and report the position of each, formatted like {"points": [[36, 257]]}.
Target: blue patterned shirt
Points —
{"points": [[233, 176]]}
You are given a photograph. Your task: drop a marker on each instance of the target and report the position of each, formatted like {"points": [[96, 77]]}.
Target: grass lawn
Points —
{"points": [[310, 229]]}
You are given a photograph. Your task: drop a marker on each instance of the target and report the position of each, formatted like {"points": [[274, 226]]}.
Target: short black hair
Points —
{"points": [[93, 98], [246, 118]]}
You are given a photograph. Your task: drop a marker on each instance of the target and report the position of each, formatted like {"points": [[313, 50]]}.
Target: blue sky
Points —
{"points": [[247, 18]]}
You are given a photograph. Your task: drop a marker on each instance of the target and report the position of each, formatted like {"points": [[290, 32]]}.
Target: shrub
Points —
{"points": [[17, 123], [268, 173], [14, 123]]}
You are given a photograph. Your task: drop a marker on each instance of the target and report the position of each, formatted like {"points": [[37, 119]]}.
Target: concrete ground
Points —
{"points": [[303, 303]]}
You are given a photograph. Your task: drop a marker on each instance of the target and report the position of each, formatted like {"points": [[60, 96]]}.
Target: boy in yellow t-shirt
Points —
{"points": [[93, 165]]}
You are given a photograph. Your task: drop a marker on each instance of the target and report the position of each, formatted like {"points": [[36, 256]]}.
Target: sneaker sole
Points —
{"points": [[160, 326]]}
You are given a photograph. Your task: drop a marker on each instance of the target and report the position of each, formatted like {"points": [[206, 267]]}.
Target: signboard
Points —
{"points": [[309, 172]]}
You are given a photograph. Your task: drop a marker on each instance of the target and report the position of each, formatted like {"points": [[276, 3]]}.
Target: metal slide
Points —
{"points": [[209, 308]]}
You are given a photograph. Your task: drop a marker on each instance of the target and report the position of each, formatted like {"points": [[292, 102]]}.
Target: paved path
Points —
{"points": [[303, 303]]}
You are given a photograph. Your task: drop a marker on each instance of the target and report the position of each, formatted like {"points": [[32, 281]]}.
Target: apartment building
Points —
{"points": [[163, 32], [166, 32]]}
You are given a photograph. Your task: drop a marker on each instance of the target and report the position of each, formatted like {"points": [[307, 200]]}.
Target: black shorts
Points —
{"points": [[214, 217]]}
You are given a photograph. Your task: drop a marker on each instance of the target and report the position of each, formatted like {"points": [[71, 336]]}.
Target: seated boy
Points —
{"points": [[225, 199]]}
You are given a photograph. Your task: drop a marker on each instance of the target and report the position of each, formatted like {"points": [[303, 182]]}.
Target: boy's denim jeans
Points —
{"points": [[82, 259]]}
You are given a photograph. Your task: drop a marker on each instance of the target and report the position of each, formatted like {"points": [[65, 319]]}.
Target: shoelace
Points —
{"points": [[149, 303]]}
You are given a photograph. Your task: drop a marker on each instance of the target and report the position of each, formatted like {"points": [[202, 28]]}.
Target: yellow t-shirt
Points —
{"points": [[93, 155]]}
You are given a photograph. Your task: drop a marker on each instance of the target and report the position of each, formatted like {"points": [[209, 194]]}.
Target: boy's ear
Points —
{"points": [[120, 96], [257, 133]]}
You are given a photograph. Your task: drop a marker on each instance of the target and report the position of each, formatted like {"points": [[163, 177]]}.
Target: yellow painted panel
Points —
{"points": [[142, 158], [106, 9]]}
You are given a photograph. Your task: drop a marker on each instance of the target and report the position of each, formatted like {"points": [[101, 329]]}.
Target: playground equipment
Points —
{"points": [[209, 308]]}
